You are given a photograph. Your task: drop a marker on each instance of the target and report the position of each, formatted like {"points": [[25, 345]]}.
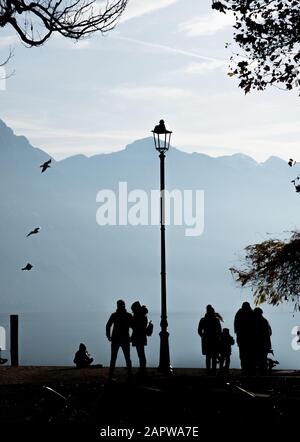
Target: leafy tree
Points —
{"points": [[272, 270], [268, 32], [35, 21]]}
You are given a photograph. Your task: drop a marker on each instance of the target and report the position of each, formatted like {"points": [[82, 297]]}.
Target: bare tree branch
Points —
{"points": [[35, 22], [8, 57]]}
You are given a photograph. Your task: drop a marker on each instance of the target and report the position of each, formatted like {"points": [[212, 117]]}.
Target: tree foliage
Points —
{"points": [[272, 270], [268, 32], [36, 21]]}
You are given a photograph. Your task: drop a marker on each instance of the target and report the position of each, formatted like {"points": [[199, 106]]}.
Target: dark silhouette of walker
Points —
{"points": [[139, 332], [253, 333], [209, 329], [120, 322], [243, 327], [262, 341]]}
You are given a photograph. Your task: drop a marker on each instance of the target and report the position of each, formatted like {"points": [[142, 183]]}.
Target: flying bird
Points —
{"points": [[33, 232], [45, 166], [27, 267], [291, 162]]}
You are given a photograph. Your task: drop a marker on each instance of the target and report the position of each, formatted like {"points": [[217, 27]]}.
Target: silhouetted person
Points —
{"points": [[33, 232], [226, 342], [121, 321], [139, 332], [262, 341], [243, 327], [82, 358], [28, 266], [209, 329], [45, 166]]}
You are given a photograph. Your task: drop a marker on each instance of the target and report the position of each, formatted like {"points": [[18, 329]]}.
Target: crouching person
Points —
{"points": [[82, 358]]}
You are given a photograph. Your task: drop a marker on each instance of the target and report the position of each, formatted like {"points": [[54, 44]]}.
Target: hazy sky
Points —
{"points": [[166, 59]]}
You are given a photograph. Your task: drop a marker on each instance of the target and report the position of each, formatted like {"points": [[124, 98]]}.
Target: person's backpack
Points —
{"points": [[149, 329]]}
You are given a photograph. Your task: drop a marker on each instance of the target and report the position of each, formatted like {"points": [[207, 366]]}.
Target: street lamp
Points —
{"points": [[162, 138]]}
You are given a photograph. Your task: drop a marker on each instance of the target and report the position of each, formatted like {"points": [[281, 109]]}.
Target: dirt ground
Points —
{"points": [[70, 375], [67, 401], [36, 375]]}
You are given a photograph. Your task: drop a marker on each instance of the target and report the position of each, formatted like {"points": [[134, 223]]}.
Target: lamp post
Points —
{"points": [[162, 138]]}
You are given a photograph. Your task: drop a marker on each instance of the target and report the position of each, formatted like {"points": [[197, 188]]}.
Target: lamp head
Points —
{"points": [[162, 137]]}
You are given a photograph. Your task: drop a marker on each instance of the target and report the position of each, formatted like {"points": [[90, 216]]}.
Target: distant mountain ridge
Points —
{"points": [[8, 139]]}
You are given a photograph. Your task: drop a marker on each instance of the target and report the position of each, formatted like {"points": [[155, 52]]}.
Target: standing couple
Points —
{"points": [[117, 332]]}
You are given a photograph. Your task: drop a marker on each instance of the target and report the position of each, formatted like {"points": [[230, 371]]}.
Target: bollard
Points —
{"points": [[14, 340]]}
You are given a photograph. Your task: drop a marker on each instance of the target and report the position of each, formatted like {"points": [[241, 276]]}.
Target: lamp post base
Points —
{"points": [[164, 357], [167, 371]]}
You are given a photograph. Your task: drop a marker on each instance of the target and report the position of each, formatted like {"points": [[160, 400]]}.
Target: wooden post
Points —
{"points": [[14, 340]]}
